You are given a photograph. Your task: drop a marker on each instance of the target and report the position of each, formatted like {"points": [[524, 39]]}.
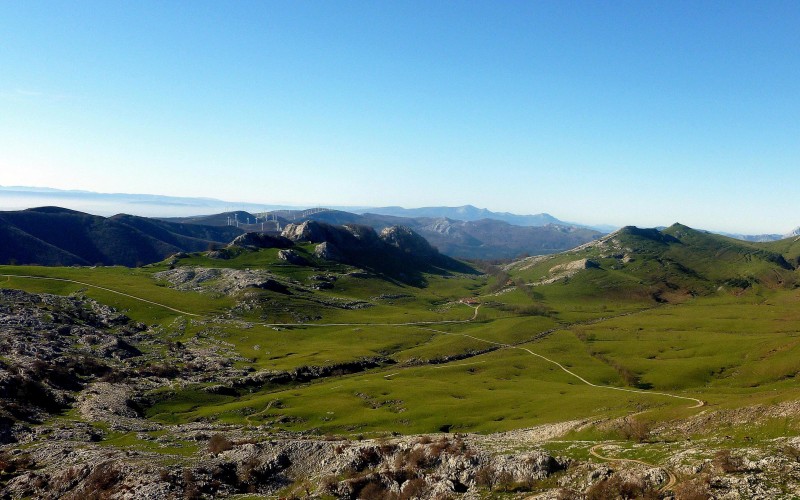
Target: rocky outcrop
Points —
{"points": [[419, 467], [308, 373], [220, 280], [355, 244], [574, 266], [350, 237], [328, 251], [407, 241], [260, 240], [52, 347], [308, 231], [292, 257]]}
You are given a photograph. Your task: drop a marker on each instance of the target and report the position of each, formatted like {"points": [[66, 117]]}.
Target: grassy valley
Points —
{"points": [[640, 345]]}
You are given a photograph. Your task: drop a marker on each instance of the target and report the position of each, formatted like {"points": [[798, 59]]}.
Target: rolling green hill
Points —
{"points": [[662, 266]]}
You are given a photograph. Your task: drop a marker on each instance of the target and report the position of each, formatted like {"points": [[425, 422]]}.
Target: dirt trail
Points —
{"points": [[599, 386], [672, 478], [9, 276], [408, 323], [286, 325]]}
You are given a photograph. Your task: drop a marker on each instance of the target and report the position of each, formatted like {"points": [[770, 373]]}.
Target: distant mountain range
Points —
{"points": [[107, 204], [22, 197], [465, 213], [761, 238], [475, 239]]}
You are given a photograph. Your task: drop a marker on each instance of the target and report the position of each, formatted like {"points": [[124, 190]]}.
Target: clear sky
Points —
{"points": [[640, 112]]}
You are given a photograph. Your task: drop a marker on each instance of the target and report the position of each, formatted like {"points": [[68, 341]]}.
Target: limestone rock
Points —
{"points": [[292, 257], [328, 251], [407, 241]]}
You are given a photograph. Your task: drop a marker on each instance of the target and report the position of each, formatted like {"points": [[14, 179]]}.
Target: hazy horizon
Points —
{"points": [[162, 205], [614, 113]]}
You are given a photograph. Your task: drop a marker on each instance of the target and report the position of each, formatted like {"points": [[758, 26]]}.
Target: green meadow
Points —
{"points": [[669, 320]]}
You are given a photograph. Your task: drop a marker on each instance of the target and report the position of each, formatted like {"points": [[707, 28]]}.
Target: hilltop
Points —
{"points": [[667, 265]]}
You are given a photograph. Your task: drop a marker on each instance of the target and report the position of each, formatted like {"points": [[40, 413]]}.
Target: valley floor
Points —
{"points": [[119, 383]]}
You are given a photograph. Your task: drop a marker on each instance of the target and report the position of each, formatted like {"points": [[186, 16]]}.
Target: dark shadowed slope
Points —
{"points": [[57, 236]]}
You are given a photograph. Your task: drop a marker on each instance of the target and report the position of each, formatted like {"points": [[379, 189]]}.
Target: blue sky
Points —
{"points": [[619, 112]]}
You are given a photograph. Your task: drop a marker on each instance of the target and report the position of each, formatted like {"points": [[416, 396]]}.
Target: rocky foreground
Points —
{"points": [[75, 379]]}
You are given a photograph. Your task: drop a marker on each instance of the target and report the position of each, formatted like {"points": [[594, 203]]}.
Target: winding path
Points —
{"points": [[277, 325], [9, 276], [672, 478], [408, 323], [565, 369]]}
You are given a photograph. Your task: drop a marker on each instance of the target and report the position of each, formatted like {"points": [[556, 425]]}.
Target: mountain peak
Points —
{"points": [[54, 210]]}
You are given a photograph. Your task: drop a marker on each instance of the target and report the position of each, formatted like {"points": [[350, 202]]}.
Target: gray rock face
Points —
{"points": [[347, 237], [328, 251], [292, 257], [346, 243], [220, 280], [308, 231], [407, 241]]}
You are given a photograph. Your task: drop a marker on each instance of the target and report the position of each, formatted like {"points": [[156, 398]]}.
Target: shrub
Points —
{"points": [[438, 447], [417, 459], [328, 484], [729, 463], [369, 456], [486, 476], [251, 471], [387, 448], [375, 491], [164, 370], [696, 489], [616, 487], [102, 481], [635, 430], [568, 494], [219, 443], [414, 488], [191, 491]]}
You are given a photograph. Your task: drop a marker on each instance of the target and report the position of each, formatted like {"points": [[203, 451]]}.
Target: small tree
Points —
{"points": [[635, 430]]}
